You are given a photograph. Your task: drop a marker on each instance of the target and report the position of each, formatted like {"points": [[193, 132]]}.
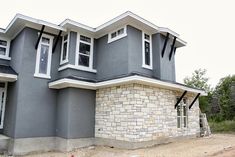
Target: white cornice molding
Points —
{"points": [[65, 83]]}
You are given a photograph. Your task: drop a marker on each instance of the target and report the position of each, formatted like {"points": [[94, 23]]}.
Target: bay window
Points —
{"points": [[64, 49], [84, 58]]}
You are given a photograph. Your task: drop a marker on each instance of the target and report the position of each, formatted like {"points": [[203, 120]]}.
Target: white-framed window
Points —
{"points": [[84, 53], [43, 58], [147, 51], [64, 58], [182, 114], [3, 95], [117, 34], [4, 48]]}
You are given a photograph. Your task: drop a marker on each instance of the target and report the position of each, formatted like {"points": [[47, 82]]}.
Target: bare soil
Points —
{"points": [[217, 145]]}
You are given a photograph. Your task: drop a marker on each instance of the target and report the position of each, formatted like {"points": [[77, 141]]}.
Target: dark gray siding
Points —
{"points": [[167, 71], [13, 88], [135, 51], [112, 58], [36, 103], [4, 62], [75, 113]]}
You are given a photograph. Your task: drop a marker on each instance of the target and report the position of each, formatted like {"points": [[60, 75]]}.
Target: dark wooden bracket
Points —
{"points": [[165, 43], [56, 41], [179, 100], [172, 48], [39, 37], [194, 100]]}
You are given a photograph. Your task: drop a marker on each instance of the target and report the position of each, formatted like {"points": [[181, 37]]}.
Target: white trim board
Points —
{"points": [[64, 83], [8, 77]]}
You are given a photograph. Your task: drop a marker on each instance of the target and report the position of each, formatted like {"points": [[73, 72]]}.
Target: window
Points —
{"points": [[4, 48], [182, 114], [64, 49], [84, 58], [147, 51], [117, 34], [43, 60]]}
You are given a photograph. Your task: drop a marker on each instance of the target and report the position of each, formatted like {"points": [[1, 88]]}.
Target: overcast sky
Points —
{"points": [[208, 26]]}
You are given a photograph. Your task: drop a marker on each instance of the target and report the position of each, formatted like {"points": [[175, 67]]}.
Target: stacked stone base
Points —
{"points": [[141, 113]]}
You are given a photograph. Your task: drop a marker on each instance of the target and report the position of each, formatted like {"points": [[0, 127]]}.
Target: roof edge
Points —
{"points": [[68, 82]]}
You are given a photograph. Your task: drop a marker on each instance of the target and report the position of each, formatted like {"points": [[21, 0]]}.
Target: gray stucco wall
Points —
{"points": [[135, 52], [75, 113], [35, 103], [112, 58]]}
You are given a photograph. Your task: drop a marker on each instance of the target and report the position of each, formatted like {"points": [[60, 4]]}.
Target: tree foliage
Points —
{"points": [[225, 92], [199, 80]]}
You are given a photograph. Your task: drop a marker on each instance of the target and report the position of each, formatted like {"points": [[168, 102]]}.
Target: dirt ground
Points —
{"points": [[218, 145]]}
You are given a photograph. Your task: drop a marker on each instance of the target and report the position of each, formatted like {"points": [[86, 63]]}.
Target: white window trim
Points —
{"points": [[182, 104], [6, 56], [37, 74], [67, 51], [3, 107], [143, 51], [119, 36], [80, 67]]}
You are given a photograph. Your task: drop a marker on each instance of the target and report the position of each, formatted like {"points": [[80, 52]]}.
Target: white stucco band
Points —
{"points": [[137, 113]]}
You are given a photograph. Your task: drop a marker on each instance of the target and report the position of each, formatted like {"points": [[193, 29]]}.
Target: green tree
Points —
{"points": [[200, 80], [225, 92]]}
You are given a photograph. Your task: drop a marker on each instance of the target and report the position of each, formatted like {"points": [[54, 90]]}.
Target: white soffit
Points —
{"points": [[20, 21], [64, 83]]}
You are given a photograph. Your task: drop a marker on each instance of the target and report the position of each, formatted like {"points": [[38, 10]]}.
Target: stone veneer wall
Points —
{"points": [[138, 113]]}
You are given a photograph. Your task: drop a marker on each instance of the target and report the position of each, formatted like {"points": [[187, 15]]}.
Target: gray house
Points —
{"points": [[69, 85]]}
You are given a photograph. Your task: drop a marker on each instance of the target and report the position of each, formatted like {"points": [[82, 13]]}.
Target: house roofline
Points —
{"points": [[69, 82], [29, 20]]}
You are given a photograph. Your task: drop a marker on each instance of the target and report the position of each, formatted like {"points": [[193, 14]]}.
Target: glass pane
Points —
{"points": [[86, 39], [178, 110], [3, 43], [147, 53], [113, 35], [2, 51], [120, 31], [84, 48], [64, 51], [45, 40], [83, 60], [43, 59], [178, 122], [65, 37], [184, 111], [185, 121], [146, 36]]}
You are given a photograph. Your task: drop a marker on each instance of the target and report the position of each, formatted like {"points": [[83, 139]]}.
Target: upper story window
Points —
{"points": [[182, 114], [4, 48], [43, 59], [65, 49], [117, 34], [84, 55], [147, 51]]}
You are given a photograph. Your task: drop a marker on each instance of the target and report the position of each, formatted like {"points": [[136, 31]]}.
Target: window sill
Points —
{"points": [[147, 67], [64, 62], [42, 76], [5, 57], [77, 67]]}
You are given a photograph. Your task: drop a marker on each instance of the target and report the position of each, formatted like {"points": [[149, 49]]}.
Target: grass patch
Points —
{"points": [[227, 126]]}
